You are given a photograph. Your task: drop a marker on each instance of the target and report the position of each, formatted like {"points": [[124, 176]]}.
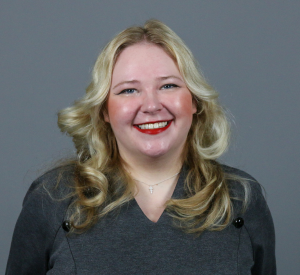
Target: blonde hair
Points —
{"points": [[102, 184]]}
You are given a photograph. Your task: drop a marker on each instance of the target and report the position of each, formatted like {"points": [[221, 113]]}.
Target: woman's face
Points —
{"points": [[149, 107]]}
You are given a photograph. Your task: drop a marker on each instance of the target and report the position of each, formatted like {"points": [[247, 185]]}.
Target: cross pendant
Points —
{"points": [[151, 189]]}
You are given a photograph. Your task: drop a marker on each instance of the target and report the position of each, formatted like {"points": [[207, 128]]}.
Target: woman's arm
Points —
{"points": [[259, 224]]}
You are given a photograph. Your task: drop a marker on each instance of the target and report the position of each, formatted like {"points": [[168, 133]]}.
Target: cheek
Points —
{"points": [[119, 112], [185, 105]]}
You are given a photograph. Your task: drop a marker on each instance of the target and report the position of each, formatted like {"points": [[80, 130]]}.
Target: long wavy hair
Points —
{"points": [[101, 182]]}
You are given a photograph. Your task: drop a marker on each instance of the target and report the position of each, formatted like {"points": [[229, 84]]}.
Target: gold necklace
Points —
{"points": [[151, 188]]}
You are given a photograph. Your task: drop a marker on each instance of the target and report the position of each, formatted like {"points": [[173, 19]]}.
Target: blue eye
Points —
{"points": [[128, 91], [169, 86]]}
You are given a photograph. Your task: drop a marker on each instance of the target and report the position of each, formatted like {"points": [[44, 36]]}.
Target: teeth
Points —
{"points": [[155, 125]]}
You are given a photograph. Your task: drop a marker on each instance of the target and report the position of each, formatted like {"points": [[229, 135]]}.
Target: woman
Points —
{"points": [[145, 194]]}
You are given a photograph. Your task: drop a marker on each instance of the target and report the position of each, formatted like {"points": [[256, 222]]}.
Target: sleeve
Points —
{"points": [[40, 218], [260, 227]]}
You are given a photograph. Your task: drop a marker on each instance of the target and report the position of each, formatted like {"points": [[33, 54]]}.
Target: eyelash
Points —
{"points": [[171, 86], [126, 91], [164, 87]]}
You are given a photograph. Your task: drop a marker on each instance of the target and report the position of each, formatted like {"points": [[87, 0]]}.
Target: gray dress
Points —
{"points": [[127, 242]]}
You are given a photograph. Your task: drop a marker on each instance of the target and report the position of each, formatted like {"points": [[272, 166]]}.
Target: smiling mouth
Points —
{"points": [[153, 128]]}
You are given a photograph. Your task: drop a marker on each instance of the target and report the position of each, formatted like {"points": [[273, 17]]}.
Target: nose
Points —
{"points": [[151, 102]]}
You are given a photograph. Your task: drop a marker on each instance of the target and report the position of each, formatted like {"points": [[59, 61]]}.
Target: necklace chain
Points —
{"points": [[151, 189]]}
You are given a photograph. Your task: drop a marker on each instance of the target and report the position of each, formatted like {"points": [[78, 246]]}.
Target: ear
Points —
{"points": [[194, 105], [105, 115]]}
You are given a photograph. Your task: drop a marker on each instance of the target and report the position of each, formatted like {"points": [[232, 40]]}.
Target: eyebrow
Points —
{"points": [[126, 82], [170, 76], [136, 81]]}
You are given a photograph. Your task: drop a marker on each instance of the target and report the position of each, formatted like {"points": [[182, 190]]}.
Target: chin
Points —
{"points": [[155, 152]]}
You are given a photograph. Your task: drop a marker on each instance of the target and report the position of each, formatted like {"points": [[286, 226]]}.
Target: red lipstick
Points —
{"points": [[153, 131]]}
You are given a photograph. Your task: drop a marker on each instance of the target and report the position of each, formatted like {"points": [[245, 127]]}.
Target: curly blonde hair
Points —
{"points": [[102, 184]]}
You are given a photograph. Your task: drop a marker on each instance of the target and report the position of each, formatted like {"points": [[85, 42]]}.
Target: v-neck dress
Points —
{"points": [[127, 242]]}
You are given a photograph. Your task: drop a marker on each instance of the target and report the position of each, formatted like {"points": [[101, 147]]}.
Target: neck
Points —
{"points": [[152, 170]]}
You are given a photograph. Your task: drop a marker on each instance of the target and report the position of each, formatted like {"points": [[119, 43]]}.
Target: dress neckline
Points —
{"points": [[177, 194]]}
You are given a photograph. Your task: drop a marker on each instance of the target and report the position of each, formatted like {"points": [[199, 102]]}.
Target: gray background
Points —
{"points": [[248, 50]]}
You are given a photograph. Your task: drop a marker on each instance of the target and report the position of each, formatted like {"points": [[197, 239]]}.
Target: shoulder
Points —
{"points": [[245, 189], [241, 184], [55, 184], [231, 170], [49, 196], [57, 181], [44, 209]]}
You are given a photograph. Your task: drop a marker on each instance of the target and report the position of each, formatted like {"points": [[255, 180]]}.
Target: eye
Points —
{"points": [[128, 91], [169, 86]]}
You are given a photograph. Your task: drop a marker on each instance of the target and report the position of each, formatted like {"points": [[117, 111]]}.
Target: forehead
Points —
{"points": [[144, 59]]}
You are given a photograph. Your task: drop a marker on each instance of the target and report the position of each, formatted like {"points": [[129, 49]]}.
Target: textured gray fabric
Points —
{"points": [[127, 242]]}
